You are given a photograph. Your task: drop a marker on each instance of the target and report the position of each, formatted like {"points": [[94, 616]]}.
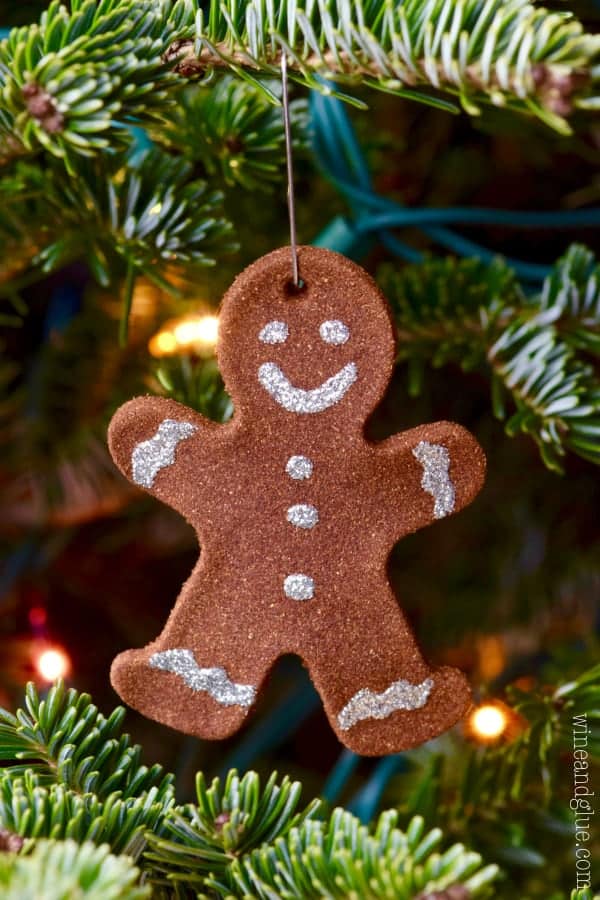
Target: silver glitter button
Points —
{"points": [[299, 467], [334, 332], [298, 400], [158, 452], [367, 704], [299, 587], [303, 515], [214, 680], [274, 332], [436, 480]]}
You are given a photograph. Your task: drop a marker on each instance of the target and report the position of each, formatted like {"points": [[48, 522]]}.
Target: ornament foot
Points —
{"points": [[437, 703], [169, 686]]}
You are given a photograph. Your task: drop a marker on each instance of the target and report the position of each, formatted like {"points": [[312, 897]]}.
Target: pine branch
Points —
{"points": [[71, 778], [70, 84], [501, 797], [534, 349], [228, 821], [510, 54], [152, 216], [32, 808], [342, 858], [233, 131], [69, 773], [65, 740], [57, 871]]}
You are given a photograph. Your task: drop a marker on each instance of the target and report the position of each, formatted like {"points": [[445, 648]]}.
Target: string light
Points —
{"points": [[52, 663], [488, 722], [196, 334]]}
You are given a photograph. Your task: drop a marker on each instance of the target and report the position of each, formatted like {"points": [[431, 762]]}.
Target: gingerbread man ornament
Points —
{"points": [[296, 513]]}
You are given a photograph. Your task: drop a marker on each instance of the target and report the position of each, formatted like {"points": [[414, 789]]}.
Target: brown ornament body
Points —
{"points": [[232, 484]]}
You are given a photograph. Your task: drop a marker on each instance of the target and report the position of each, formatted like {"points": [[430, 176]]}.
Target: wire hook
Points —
{"points": [[290, 171]]}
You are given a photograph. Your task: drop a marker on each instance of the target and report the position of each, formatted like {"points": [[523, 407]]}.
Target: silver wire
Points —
{"points": [[290, 171]]}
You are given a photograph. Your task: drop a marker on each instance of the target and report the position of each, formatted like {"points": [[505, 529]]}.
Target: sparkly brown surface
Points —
{"points": [[230, 482]]}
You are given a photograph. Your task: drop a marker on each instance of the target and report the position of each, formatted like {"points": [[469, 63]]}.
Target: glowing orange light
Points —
{"points": [[52, 664], [164, 343], [196, 333], [488, 722]]}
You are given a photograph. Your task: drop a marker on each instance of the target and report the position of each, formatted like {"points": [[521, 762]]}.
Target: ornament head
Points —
{"points": [[325, 349]]}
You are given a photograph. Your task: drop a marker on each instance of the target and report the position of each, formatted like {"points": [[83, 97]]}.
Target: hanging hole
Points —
{"points": [[293, 290]]}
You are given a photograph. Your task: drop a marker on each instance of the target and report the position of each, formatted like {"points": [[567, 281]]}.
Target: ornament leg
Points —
{"points": [[196, 692], [379, 694]]}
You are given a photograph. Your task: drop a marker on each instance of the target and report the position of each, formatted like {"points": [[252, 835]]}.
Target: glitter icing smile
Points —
{"points": [[297, 400], [215, 680], [367, 704]]}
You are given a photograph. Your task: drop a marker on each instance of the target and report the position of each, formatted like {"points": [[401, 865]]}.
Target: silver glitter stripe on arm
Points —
{"points": [[297, 400], [436, 480], [215, 681], [149, 457], [367, 704]]}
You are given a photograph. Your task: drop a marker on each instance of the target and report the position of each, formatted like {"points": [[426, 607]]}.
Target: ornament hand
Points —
{"points": [[443, 468], [149, 439]]}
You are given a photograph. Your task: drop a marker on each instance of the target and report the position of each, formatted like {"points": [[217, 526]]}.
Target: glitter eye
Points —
{"points": [[274, 332], [334, 332]]}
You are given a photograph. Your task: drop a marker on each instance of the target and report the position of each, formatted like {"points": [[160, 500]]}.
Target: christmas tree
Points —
{"points": [[449, 147]]}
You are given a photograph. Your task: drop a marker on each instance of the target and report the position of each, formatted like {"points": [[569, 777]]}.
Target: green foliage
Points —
{"points": [[196, 383], [69, 772], [69, 776], [68, 871], [124, 217], [65, 740], [535, 349], [233, 131], [341, 858], [33, 809], [514, 54], [71, 83], [228, 821], [149, 217], [510, 800]]}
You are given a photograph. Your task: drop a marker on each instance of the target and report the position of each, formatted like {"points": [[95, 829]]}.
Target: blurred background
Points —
{"points": [[507, 591]]}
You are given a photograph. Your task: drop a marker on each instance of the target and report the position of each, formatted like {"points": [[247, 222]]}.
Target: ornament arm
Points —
{"points": [[159, 445], [431, 472]]}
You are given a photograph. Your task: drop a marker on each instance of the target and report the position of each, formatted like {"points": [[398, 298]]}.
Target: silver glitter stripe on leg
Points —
{"points": [[158, 452], [298, 400], [436, 480], [367, 704], [215, 681]]}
